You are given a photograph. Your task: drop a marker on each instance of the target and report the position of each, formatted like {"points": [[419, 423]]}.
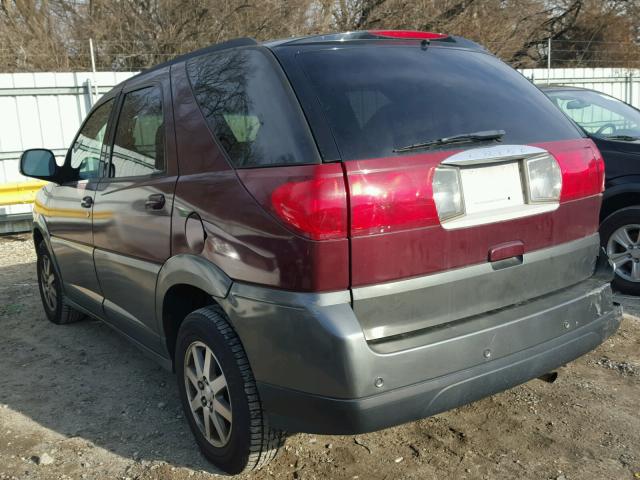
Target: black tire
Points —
{"points": [[59, 312], [251, 443], [625, 217]]}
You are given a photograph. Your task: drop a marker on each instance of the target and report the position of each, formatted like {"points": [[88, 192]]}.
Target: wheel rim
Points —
{"points": [[208, 394], [48, 283], [623, 249]]}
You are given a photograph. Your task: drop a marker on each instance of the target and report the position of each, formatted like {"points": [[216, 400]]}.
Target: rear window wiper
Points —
{"points": [[461, 138], [624, 138]]}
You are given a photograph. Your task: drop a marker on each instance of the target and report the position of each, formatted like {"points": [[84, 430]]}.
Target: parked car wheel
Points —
{"points": [[219, 394], [53, 300], [620, 235]]}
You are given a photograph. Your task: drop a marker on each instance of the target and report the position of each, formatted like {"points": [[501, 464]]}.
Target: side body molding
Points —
{"points": [[190, 270]]}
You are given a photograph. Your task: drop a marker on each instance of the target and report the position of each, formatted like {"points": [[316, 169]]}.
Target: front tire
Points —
{"points": [[620, 236], [50, 286], [219, 394]]}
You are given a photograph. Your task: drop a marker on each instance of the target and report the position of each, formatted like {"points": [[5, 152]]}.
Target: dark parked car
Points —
{"points": [[614, 126], [330, 234]]}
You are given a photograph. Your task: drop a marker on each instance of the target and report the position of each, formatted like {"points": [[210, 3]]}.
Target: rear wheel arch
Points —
{"points": [[179, 301], [185, 284]]}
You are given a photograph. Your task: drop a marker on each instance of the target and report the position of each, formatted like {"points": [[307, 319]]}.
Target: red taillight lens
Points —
{"points": [[408, 34], [392, 194], [581, 166], [316, 207], [311, 199], [600, 167]]}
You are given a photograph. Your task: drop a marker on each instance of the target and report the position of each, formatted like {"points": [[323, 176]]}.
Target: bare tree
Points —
{"points": [[134, 34]]}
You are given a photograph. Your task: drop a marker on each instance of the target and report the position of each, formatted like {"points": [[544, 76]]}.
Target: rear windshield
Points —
{"points": [[379, 98]]}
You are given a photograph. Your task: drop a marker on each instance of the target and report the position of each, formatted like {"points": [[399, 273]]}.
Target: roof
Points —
{"points": [[340, 37], [376, 35]]}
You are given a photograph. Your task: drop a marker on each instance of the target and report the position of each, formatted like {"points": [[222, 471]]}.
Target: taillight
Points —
{"points": [[581, 166], [391, 194], [311, 200], [543, 178], [599, 167], [447, 193]]}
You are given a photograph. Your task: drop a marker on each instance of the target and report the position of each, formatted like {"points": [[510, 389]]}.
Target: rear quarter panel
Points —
{"points": [[242, 239]]}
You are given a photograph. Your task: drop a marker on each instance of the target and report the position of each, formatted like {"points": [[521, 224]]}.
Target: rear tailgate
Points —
{"points": [[412, 267], [400, 246], [416, 278]]}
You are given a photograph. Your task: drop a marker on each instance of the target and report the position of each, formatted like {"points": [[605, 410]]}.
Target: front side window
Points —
{"points": [[249, 109], [85, 153], [138, 148], [597, 113]]}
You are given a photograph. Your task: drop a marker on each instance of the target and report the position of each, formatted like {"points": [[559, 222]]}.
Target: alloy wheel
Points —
{"points": [[208, 394], [623, 249]]}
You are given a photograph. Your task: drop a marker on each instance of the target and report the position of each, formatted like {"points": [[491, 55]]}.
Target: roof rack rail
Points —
{"points": [[237, 42]]}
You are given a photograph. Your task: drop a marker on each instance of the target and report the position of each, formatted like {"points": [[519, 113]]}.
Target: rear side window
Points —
{"points": [[246, 102], [138, 149], [379, 98]]}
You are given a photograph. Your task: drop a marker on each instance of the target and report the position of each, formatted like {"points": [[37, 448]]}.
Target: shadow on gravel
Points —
{"points": [[86, 380]]}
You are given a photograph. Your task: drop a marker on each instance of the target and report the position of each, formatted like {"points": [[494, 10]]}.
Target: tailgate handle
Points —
{"points": [[507, 250]]}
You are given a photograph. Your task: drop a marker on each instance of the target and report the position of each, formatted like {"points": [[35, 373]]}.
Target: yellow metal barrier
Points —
{"points": [[17, 193]]}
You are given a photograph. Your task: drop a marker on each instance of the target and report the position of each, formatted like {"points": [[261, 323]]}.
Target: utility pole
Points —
{"points": [[549, 61]]}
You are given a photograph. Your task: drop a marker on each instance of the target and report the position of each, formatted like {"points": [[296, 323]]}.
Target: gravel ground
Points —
{"points": [[78, 401]]}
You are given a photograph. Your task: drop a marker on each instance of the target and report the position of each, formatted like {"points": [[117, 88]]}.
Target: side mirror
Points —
{"points": [[39, 163]]}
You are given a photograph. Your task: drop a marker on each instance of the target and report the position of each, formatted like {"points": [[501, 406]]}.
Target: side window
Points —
{"points": [[85, 153], [591, 117], [249, 109], [138, 148]]}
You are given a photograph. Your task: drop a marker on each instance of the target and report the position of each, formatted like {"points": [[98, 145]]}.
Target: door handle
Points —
{"points": [[154, 202], [86, 202]]}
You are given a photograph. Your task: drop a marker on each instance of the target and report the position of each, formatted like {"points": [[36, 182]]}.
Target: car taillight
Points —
{"points": [[599, 167], [543, 179], [391, 194], [309, 199], [581, 166], [447, 193], [316, 207]]}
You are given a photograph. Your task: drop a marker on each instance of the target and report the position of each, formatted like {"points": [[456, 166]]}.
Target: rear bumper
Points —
{"points": [[300, 412], [316, 372]]}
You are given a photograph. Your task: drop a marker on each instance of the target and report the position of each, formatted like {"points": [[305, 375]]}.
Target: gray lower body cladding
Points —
{"points": [[317, 372], [403, 306], [296, 411]]}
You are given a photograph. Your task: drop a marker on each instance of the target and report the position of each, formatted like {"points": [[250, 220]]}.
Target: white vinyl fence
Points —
{"points": [[623, 84], [46, 109]]}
